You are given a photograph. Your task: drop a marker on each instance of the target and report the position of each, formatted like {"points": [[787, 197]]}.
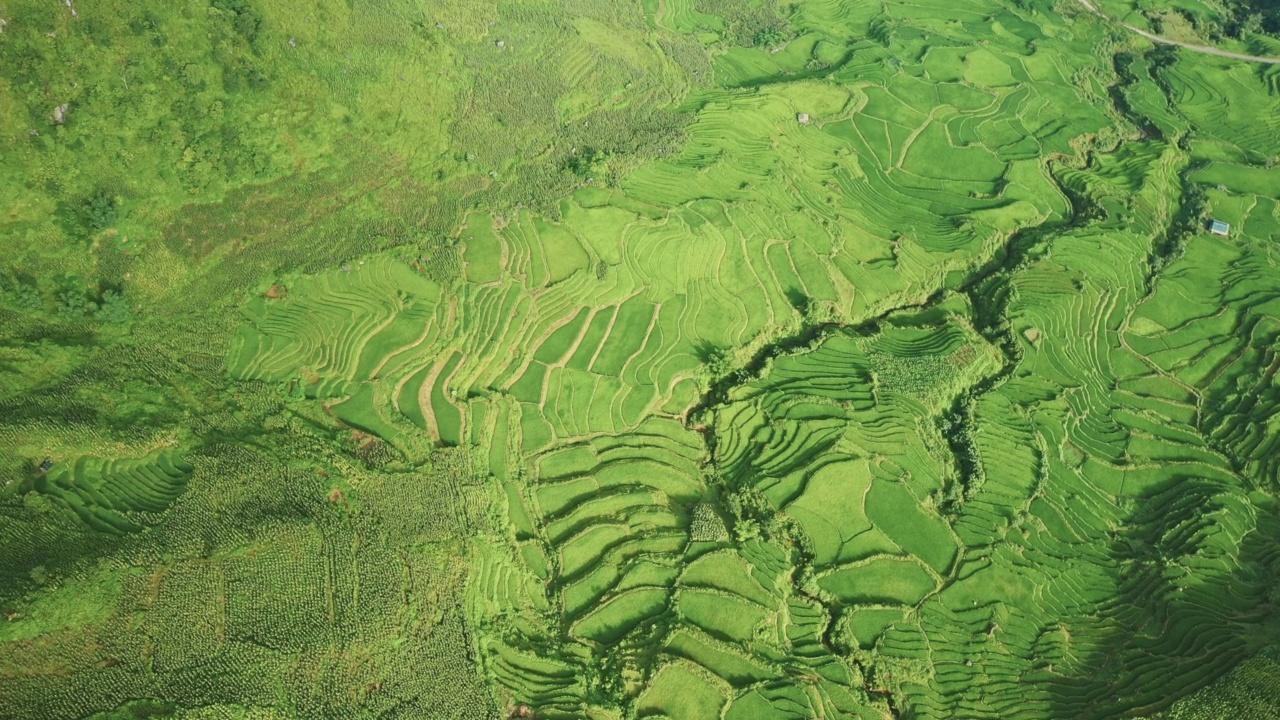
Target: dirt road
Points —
{"points": [[1088, 4]]}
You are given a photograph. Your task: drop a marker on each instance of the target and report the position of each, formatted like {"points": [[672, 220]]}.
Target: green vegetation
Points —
{"points": [[1247, 691], [1216, 21], [680, 359]]}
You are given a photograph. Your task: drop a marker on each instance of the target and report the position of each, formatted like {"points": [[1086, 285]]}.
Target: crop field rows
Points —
{"points": [[105, 493], [1097, 452], [607, 314], [837, 359], [1119, 432], [290, 595]]}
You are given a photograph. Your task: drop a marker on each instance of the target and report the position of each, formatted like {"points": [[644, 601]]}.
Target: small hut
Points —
{"points": [[1217, 227], [802, 118]]}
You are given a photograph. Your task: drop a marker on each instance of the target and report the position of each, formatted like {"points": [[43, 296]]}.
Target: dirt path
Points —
{"points": [[1204, 49]]}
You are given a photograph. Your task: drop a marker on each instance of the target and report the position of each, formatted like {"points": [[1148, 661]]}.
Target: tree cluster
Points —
{"points": [[108, 307]]}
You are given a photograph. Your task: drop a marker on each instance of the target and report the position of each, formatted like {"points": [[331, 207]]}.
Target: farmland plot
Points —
{"points": [[731, 359], [916, 506]]}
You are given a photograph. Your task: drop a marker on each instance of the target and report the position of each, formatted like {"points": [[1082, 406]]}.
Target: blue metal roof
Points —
{"points": [[1217, 226]]}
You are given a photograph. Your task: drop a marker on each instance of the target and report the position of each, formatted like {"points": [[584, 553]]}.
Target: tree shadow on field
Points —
{"points": [[707, 353], [798, 300], [1196, 571]]}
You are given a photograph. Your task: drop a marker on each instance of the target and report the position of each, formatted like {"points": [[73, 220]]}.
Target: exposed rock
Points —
{"points": [[60, 114]]}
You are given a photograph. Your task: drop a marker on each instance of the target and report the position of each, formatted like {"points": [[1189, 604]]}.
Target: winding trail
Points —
{"points": [[1204, 49]]}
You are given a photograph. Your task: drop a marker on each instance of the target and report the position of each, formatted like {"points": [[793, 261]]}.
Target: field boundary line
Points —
{"points": [[431, 321]]}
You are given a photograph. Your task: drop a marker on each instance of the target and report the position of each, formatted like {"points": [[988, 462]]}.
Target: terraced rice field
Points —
{"points": [[119, 494], [906, 382], [1026, 496]]}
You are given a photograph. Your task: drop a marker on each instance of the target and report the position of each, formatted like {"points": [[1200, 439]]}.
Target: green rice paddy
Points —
{"points": [[683, 359]]}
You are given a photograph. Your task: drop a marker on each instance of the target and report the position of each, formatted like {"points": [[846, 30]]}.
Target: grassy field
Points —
{"points": [[698, 358]]}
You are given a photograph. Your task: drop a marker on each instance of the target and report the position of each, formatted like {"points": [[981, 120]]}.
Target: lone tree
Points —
{"points": [[26, 297], [114, 309], [73, 305], [99, 211]]}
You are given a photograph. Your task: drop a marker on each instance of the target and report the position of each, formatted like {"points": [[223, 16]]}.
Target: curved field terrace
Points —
{"points": [[680, 360]]}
